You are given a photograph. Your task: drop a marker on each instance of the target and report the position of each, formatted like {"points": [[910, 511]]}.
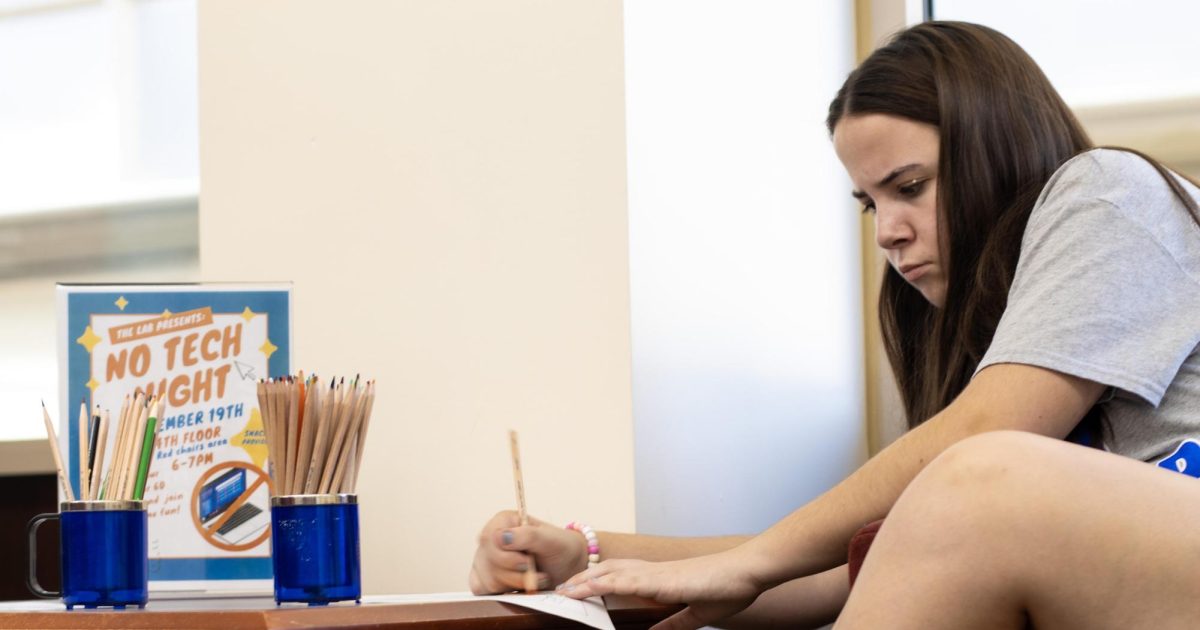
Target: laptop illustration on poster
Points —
{"points": [[227, 494]]}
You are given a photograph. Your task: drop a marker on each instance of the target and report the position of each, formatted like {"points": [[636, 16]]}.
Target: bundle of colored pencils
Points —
{"points": [[315, 434], [137, 429]]}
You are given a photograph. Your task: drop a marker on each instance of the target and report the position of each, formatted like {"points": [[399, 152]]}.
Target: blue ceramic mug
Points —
{"points": [[103, 551]]}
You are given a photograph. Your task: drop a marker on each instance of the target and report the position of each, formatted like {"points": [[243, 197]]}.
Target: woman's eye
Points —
{"points": [[913, 188]]}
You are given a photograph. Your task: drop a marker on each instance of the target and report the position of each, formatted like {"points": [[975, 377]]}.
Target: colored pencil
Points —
{"points": [[107, 487], [82, 441], [58, 462], [143, 468], [137, 428], [343, 457], [291, 431], [120, 468], [362, 434], [101, 444], [307, 436], [321, 445], [315, 435], [93, 438], [333, 460]]}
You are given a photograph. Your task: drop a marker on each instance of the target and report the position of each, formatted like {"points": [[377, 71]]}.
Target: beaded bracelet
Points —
{"points": [[593, 543]]}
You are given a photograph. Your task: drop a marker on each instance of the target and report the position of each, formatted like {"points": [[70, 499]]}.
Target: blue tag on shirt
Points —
{"points": [[1185, 459]]}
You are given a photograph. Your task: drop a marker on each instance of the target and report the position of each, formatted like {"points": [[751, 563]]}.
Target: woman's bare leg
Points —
{"points": [[1007, 527]]}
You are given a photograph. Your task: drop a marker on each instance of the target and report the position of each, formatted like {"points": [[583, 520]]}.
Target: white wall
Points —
{"points": [[445, 183], [744, 255]]}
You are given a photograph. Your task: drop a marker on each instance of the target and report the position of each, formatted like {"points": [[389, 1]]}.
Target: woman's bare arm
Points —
{"points": [[809, 602]]}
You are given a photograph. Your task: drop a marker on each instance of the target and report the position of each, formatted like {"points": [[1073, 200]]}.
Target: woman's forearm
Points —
{"points": [[661, 548], [809, 602]]}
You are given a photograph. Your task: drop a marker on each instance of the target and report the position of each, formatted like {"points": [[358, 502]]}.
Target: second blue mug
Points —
{"points": [[314, 548]]}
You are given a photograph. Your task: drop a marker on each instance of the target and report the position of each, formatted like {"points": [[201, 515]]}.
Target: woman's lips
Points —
{"points": [[914, 272]]}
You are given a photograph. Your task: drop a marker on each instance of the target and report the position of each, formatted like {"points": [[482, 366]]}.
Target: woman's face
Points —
{"points": [[893, 163]]}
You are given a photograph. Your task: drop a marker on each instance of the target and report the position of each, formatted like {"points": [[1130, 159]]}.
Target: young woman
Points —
{"points": [[1038, 289]]}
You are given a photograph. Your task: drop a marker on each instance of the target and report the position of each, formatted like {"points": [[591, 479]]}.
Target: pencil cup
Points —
{"points": [[314, 548], [103, 549]]}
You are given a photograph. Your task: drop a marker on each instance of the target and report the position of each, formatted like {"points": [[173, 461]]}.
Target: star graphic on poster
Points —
{"points": [[248, 314], [252, 439], [268, 348], [166, 312], [88, 339], [121, 302], [92, 385]]}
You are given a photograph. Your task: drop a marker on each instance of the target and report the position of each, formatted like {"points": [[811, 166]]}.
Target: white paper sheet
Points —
{"points": [[33, 605], [590, 612]]}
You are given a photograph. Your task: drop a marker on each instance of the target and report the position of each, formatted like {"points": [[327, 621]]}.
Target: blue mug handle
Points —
{"points": [[31, 579]]}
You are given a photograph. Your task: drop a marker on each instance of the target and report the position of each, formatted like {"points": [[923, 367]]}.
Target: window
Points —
{"points": [[1098, 52], [1126, 68], [99, 161]]}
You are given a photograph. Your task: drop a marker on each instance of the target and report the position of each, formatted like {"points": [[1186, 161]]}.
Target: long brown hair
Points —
{"points": [[1003, 131]]}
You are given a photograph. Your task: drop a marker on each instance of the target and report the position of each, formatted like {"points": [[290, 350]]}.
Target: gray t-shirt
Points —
{"points": [[1107, 288]]}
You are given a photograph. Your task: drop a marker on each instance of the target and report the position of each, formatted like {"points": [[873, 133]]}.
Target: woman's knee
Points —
{"points": [[992, 457], [982, 476], [961, 503]]}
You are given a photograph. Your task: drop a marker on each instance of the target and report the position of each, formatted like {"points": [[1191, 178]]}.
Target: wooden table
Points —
{"points": [[260, 614]]}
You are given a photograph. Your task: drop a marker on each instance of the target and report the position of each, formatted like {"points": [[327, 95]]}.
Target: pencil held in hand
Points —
{"points": [[531, 581]]}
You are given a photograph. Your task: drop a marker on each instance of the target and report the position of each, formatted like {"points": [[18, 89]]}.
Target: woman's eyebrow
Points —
{"points": [[896, 173], [858, 194]]}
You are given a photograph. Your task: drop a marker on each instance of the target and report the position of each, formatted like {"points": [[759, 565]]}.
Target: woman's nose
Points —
{"points": [[891, 230]]}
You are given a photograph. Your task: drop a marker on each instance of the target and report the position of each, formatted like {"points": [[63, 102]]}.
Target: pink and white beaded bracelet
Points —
{"points": [[593, 543]]}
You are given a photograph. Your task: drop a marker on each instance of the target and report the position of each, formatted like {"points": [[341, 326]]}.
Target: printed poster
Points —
{"points": [[201, 348]]}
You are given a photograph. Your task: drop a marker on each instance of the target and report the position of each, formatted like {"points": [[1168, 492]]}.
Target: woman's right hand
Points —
{"points": [[505, 547]]}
